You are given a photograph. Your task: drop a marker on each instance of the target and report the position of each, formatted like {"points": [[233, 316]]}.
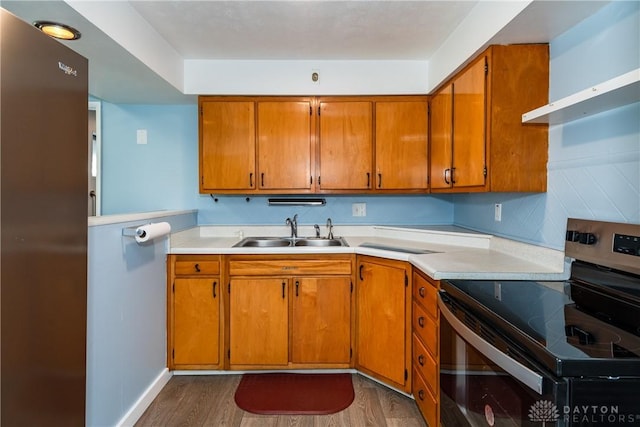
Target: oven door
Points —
{"points": [[484, 381]]}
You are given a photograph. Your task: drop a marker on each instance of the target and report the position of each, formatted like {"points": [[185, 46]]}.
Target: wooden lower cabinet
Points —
{"points": [[426, 347], [245, 312], [321, 320], [297, 320], [258, 321], [194, 318], [383, 320]]}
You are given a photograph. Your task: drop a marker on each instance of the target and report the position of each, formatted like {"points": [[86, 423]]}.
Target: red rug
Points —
{"points": [[294, 394]]}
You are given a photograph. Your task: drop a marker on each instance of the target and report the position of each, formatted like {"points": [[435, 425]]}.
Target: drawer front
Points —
{"points": [[197, 268], [426, 328], [427, 293], [289, 267], [427, 367], [427, 404]]}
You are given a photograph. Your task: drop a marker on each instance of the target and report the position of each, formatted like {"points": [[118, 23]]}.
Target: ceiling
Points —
{"points": [[269, 30]]}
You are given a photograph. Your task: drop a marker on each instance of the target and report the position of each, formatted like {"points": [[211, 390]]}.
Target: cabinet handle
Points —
{"points": [[421, 321], [421, 291], [297, 286], [262, 179], [360, 271], [283, 286], [197, 267], [421, 360], [453, 172], [421, 394], [251, 180], [379, 180], [215, 284], [368, 179], [446, 179]]}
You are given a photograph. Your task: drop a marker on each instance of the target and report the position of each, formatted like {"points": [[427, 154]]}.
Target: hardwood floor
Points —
{"points": [[207, 400]]}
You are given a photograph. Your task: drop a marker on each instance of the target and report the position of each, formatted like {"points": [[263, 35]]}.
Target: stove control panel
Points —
{"points": [[626, 244], [609, 244]]}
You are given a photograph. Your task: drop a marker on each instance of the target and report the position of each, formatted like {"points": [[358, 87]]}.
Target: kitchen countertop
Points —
{"points": [[458, 253]]}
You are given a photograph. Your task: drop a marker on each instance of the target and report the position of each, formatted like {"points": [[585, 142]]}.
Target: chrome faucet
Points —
{"points": [[294, 225], [330, 227]]}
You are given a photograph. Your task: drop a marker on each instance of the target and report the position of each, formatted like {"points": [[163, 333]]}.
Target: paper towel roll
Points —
{"points": [[151, 231]]}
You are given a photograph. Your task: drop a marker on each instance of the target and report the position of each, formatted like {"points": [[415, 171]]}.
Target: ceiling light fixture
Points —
{"points": [[58, 31]]}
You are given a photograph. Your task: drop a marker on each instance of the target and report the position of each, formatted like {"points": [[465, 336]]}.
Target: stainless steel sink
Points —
{"points": [[275, 242], [319, 241]]}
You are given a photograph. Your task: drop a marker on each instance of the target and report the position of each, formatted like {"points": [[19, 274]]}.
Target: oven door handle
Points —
{"points": [[530, 378]]}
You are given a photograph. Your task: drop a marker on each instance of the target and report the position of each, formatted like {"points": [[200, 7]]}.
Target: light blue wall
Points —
{"points": [[405, 210], [163, 174], [594, 163], [126, 317]]}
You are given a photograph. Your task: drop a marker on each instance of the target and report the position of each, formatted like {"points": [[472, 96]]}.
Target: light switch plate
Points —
{"points": [[498, 212], [141, 136]]}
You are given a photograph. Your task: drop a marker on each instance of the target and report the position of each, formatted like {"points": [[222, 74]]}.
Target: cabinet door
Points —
{"points": [[196, 314], [345, 145], [441, 138], [321, 324], [401, 145], [284, 145], [227, 145], [469, 120], [258, 321], [381, 320]]}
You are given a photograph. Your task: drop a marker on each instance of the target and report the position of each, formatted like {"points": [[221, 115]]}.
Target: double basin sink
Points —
{"points": [[277, 242]]}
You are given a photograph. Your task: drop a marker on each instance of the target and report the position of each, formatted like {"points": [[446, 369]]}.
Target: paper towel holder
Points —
{"points": [[133, 231]]}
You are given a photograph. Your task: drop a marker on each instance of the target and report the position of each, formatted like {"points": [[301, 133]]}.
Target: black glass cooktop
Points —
{"points": [[544, 320]]}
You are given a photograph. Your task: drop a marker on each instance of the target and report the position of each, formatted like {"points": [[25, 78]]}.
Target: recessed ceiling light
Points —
{"points": [[58, 31]]}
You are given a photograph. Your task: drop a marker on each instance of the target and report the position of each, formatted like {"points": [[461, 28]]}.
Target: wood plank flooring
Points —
{"points": [[207, 400]]}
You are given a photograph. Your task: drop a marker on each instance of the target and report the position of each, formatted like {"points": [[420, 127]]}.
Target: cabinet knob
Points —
{"points": [[421, 394], [421, 321], [421, 291], [446, 176], [215, 284], [421, 360], [197, 267]]}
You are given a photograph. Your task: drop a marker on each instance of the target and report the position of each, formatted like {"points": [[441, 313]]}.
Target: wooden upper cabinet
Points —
{"points": [[227, 145], [345, 145], [401, 135], [285, 145], [490, 148], [441, 141], [469, 112]]}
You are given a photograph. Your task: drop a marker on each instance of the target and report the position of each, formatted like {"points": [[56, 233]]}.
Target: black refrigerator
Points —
{"points": [[43, 233]]}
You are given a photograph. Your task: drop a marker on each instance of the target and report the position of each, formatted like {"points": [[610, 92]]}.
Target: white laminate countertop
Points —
{"points": [[458, 253]]}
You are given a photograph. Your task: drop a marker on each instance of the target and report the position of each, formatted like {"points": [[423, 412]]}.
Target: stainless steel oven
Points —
{"points": [[531, 353]]}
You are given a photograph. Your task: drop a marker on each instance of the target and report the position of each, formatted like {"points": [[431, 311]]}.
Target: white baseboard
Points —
{"points": [[141, 405]]}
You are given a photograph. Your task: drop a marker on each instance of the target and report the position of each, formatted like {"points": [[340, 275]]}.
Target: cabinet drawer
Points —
{"points": [[426, 328], [426, 366], [427, 404], [426, 293], [196, 267], [289, 267]]}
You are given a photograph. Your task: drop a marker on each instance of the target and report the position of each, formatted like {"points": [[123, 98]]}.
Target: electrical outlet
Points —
{"points": [[498, 212], [359, 209]]}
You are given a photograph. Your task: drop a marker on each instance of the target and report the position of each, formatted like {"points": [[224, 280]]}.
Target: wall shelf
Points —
{"points": [[616, 92]]}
